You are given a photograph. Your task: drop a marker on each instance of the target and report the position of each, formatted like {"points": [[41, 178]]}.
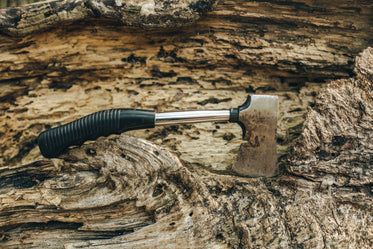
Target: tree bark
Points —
{"points": [[122, 191]]}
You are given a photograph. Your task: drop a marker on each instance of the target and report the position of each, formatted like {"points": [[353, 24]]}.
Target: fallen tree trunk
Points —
{"points": [[125, 192], [42, 15], [242, 47]]}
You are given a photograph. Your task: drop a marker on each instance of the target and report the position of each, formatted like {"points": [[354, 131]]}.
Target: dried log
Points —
{"points": [[125, 192], [313, 40], [102, 195], [283, 48], [335, 147], [122, 192], [148, 14]]}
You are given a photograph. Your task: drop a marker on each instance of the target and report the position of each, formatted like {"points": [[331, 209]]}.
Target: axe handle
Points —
{"points": [[167, 118], [103, 123], [114, 121]]}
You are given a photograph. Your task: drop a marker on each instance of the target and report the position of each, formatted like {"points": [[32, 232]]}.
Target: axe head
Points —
{"points": [[258, 119]]}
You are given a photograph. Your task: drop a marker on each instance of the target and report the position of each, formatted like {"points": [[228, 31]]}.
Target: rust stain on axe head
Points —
{"points": [[258, 157]]}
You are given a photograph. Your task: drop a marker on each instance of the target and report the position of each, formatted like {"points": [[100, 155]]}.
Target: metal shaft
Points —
{"points": [[166, 118]]}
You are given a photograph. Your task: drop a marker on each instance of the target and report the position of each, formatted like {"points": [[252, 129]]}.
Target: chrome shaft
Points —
{"points": [[166, 118]]}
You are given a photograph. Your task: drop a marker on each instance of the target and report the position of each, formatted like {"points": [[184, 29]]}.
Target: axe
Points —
{"points": [[257, 117]]}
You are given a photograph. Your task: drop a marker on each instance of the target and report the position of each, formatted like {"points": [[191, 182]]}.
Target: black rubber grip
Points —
{"points": [[54, 141]]}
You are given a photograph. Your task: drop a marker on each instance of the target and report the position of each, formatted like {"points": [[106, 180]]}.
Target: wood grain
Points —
{"points": [[125, 192], [112, 194], [42, 15], [50, 78]]}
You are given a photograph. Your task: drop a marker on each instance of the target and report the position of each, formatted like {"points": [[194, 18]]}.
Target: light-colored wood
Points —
{"points": [[31, 18], [125, 192], [75, 70], [335, 146], [322, 197]]}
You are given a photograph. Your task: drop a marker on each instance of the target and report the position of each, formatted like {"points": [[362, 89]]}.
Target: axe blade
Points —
{"points": [[258, 119]]}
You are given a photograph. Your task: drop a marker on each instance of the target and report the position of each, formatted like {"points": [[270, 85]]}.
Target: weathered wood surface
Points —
{"points": [[40, 16], [125, 192], [340, 130], [15, 3], [282, 48], [323, 197]]}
